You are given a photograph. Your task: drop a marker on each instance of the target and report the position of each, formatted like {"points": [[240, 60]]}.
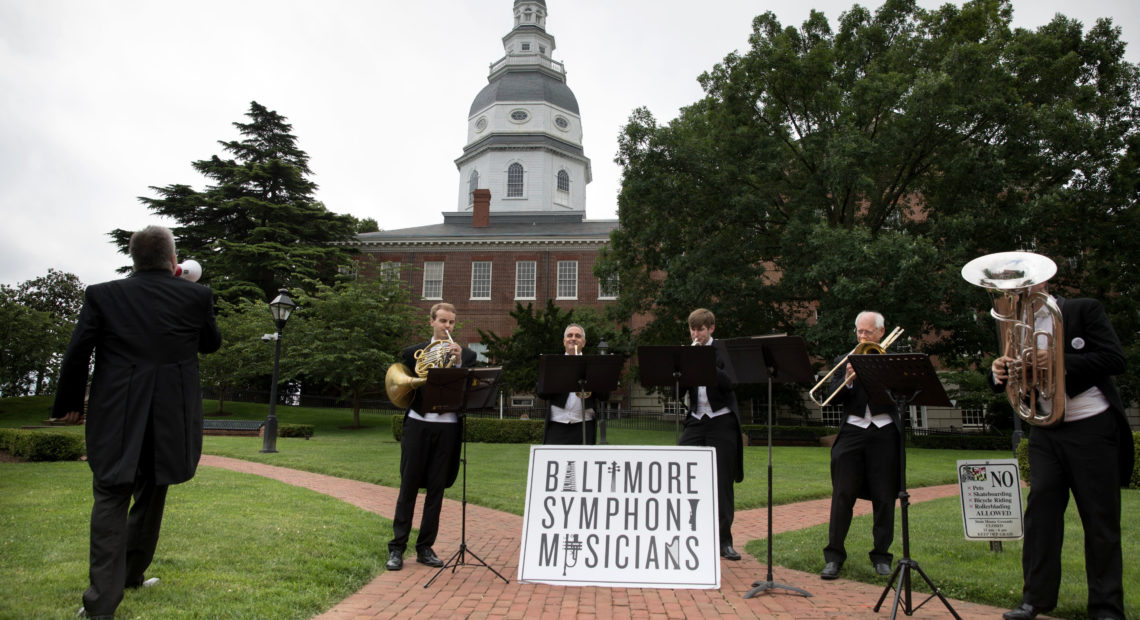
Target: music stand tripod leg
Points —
{"points": [[906, 563], [769, 583]]}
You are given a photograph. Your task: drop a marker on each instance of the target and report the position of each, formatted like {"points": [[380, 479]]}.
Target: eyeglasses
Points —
{"points": [[867, 332]]}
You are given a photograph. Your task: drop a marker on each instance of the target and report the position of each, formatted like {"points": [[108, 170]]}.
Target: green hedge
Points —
{"points": [[295, 430], [961, 442], [489, 430], [787, 435], [1023, 461], [35, 445]]}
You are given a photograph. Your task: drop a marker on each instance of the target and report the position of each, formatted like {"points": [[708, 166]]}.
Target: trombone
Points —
{"points": [[864, 347]]}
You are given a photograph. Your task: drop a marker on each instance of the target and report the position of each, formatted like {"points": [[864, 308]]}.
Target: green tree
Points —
{"points": [[41, 333], [828, 172], [344, 337], [257, 228], [23, 348], [243, 358], [539, 332]]}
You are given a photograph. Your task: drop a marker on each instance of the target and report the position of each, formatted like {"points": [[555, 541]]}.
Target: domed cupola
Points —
{"points": [[524, 132]]}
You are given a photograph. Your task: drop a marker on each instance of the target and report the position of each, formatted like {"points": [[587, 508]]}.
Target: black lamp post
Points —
{"points": [[281, 307], [603, 349]]}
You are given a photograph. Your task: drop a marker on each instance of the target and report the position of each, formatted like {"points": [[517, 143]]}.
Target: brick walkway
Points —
{"points": [[472, 591]]}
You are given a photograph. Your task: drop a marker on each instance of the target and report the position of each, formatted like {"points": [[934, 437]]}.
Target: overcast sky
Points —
{"points": [[101, 99]]}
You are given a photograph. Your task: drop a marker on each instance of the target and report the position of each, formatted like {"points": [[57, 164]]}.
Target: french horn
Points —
{"points": [[401, 383]]}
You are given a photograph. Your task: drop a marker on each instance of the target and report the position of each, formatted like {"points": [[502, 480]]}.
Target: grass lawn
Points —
{"points": [[963, 569], [227, 537], [228, 548]]}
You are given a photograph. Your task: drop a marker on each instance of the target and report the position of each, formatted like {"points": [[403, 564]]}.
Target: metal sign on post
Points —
{"points": [[621, 516], [991, 499]]}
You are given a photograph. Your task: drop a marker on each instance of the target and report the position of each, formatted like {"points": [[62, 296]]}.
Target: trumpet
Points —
{"points": [[864, 347], [400, 383]]}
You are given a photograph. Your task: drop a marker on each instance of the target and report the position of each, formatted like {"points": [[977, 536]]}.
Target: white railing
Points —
{"points": [[527, 59]]}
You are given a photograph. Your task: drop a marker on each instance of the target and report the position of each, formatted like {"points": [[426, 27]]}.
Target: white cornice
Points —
{"points": [[481, 244]]}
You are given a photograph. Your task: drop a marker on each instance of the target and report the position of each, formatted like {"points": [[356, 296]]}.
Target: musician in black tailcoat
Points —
{"points": [[429, 452], [864, 462], [1088, 452], [567, 412], [714, 420]]}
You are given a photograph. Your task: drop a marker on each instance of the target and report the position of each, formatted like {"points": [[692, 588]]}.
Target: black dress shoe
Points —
{"points": [[427, 556], [728, 553], [882, 568], [1024, 611], [395, 560], [830, 570]]}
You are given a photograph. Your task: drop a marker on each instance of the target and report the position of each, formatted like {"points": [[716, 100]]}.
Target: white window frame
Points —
{"points": [[481, 280], [433, 277], [522, 281], [610, 292], [832, 415], [562, 196], [521, 181], [472, 185], [390, 271], [974, 417], [565, 280]]}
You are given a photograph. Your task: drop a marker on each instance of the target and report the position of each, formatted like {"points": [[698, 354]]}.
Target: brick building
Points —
{"points": [[519, 231]]}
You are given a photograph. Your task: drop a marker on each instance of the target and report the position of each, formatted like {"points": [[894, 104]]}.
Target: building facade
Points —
{"points": [[518, 232]]}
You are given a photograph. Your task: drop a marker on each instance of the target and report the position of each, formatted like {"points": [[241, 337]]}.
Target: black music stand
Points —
{"points": [[677, 366], [562, 374], [764, 359], [902, 380], [460, 390]]}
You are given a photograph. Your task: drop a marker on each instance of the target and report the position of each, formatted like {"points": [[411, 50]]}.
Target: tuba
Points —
{"points": [[400, 383], [1009, 278]]}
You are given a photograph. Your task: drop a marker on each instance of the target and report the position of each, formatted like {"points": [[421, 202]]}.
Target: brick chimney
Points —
{"points": [[482, 213]]}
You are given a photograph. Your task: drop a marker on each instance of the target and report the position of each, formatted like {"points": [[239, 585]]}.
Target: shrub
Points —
{"points": [[484, 430], [1023, 459], [40, 445], [1135, 483], [295, 430], [786, 435], [960, 442]]}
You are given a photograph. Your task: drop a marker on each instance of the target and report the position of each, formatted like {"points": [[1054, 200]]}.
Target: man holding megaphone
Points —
{"points": [[144, 413]]}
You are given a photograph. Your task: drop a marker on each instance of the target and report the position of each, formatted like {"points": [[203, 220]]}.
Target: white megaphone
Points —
{"points": [[189, 270]]}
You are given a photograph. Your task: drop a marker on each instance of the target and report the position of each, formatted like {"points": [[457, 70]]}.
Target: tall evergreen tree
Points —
{"points": [[257, 227]]}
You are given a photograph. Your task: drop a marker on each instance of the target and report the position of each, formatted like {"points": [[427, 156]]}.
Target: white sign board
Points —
{"points": [[621, 516], [991, 499]]}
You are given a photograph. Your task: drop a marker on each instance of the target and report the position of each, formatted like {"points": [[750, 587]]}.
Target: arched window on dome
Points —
{"points": [[562, 196], [472, 185], [515, 181]]}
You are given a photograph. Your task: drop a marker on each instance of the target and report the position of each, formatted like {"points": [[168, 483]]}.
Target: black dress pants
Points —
{"points": [[1079, 457], [864, 460], [426, 453], [560, 434], [723, 434], [122, 541]]}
